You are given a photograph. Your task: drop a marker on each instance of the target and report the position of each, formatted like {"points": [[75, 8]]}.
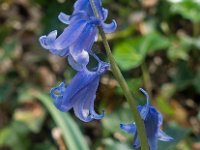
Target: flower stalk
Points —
{"points": [[118, 75]]}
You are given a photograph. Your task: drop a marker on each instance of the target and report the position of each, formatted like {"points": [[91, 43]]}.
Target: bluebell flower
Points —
{"points": [[80, 93], [79, 36], [84, 5], [152, 121]]}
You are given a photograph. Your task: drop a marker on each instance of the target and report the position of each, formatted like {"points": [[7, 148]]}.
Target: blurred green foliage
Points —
{"points": [[156, 45]]}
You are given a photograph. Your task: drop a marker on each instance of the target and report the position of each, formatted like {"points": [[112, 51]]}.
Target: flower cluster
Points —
{"points": [[75, 43], [77, 39], [152, 121]]}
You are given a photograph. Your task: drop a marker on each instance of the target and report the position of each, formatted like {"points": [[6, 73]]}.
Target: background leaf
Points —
{"points": [[70, 131]]}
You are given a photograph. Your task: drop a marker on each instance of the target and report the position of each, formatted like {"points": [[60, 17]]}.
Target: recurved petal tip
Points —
{"points": [[42, 41], [109, 28], [145, 109], [47, 42], [64, 18], [163, 136], [129, 128], [94, 115], [105, 13]]}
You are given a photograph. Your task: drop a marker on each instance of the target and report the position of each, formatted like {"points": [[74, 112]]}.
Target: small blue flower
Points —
{"points": [[80, 93], [81, 33], [152, 121]]}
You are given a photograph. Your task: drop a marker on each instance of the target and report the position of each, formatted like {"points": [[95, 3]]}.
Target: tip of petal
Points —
{"points": [[48, 41], [103, 66], [98, 116], [109, 28], [42, 41], [58, 97], [64, 18], [129, 128], [145, 93], [164, 137], [145, 109]]}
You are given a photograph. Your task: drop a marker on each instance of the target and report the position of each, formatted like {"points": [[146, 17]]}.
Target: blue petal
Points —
{"points": [[145, 109], [109, 28], [58, 98], [85, 40], [103, 66], [79, 61], [153, 143], [81, 5], [136, 141], [151, 122], [74, 64], [48, 41], [129, 128], [79, 82], [70, 35], [84, 5], [96, 116], [85, 101], [64, 18], [163, 136], [80, 107], [105, 14], [160, 119], [80, 15]]}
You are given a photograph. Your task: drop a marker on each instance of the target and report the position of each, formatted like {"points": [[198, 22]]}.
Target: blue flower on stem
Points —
{"points": [[79, 36], [80, 93], [152, 121]]}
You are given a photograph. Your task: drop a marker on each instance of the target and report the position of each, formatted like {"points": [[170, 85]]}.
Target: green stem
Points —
{"points": [[118, 75]]}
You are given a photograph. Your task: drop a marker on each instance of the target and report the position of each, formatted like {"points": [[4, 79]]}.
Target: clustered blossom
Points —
{"points": [[77, 39], [152, 121], [75, 43]]}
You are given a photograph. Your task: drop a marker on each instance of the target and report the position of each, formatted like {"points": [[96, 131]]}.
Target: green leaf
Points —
{"points": [[15, 136], [128, 54], [155, 41], [70, 131], [131, 53], [188, 9]]}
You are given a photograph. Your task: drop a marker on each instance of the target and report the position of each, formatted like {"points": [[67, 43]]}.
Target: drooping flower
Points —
{"points": [[81, 33], [80, 93], [152, 121]]}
